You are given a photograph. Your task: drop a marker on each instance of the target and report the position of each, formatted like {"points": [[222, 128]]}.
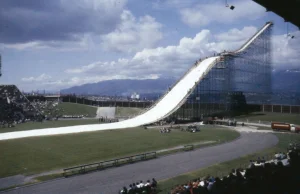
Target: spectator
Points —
{"points": [[141, 185], [154, 183], [123, 191]]}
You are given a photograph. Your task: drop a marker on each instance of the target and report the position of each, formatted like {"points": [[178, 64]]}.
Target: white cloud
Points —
{"points": [[130, 35], [174, 60], [165, 4], [204, 14], [22, 46], [133, 34], [83, 43], [79, 80], [57, 23], [166, 61], [286, 51], [42, 77], [237, 35]]}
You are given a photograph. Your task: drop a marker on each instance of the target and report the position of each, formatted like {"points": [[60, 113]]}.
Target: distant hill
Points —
{"points": [[123, 87]]}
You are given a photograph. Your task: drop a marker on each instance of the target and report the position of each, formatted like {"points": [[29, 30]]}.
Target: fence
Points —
{"points": [[290, 109], [254, 121], [107, 103], [188, 147], [107, 164]]}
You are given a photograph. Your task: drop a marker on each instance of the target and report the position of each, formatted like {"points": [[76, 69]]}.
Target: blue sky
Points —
{"points": [[56, 44]]}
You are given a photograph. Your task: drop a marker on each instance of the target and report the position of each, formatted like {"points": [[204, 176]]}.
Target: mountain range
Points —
{"points": [[282, 80], [123, 87]]}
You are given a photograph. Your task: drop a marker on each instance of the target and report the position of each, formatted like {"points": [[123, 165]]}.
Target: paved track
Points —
{"points": [[111, 180]]}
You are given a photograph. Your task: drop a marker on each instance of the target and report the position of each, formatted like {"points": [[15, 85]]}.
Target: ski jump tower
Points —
{"points": [[239, 77]]}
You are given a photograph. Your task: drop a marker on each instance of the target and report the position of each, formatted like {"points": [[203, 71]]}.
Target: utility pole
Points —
{"points": [[0, 66]]}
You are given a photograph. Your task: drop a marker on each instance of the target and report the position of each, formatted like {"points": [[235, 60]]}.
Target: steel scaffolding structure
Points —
{"points": [[232, 82]]}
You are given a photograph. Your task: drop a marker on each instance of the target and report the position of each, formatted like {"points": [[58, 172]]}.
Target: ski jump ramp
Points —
{"points": [[164, 107]]}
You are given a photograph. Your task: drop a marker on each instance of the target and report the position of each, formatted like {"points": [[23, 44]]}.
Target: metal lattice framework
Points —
{"points": [[243, 76]]}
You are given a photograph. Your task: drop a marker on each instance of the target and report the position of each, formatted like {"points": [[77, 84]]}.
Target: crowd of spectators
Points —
{"points": [[191, 128], [113, 98], [164, 122], [49, 109], [74, 116], [277, 176], [14, 107], [108, 120], [149, 187], [165, 130]]}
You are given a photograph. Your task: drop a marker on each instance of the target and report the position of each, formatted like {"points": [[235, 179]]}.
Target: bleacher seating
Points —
{"points": [[15, 107], [276, 176]]}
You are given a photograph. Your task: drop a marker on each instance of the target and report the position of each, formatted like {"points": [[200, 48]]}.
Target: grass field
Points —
{"points": [[225, 167], [281, 117], [127, 111], [39, 154], [48, 124], [77, 109]]}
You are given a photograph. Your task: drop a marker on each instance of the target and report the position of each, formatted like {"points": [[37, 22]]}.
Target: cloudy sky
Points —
{"points": [[56, 44]]}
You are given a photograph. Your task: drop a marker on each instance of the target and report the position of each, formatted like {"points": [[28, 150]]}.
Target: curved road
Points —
{"points": [[111, 180]]}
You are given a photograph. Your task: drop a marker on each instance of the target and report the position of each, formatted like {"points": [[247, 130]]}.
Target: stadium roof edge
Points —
{"points": [[289, 10]]}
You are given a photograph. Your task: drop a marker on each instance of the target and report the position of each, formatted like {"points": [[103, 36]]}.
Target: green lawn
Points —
{"points": [[39, 154], [48, 124], [281, 117], [77, 109], [224, 168], [127, 111]]}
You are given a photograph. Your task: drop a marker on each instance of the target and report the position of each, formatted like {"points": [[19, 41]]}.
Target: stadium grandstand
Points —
{"points": [[289, 10], [15, 107]]}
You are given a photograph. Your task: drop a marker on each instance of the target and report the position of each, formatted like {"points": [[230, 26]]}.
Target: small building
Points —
{"points": [[135, 96], [53, 98]]}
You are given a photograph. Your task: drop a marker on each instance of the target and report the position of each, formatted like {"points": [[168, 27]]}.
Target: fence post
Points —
{"points": [[115, 162], [99, 166]]}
